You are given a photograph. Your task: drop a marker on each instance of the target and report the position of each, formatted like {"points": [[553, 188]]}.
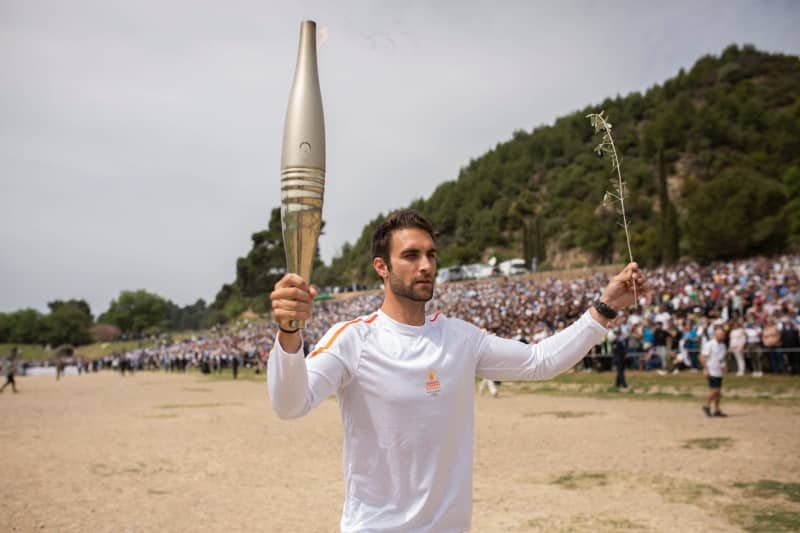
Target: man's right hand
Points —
{"points": [[292, 299]]}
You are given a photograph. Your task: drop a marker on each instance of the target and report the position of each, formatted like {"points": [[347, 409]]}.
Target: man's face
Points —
{"points": [[413, 264]]}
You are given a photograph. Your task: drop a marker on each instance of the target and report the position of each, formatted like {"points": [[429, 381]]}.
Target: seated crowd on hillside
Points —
{"points": [[756, 300]]}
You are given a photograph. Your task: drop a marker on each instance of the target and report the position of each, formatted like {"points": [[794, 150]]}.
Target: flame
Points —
{"points": [[324, 33]]}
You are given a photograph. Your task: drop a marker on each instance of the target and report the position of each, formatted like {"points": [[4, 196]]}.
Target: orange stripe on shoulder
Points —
{"points": [[339, 331], [436, 317]]}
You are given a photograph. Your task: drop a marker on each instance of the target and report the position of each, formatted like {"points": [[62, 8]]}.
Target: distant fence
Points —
{"points": [[603, 361], [70, 370]]}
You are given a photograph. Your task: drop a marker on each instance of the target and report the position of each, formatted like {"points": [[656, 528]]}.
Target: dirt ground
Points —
{"points": [[157, 452]]}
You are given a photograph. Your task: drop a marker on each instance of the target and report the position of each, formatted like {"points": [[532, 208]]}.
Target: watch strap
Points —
{"points": [[604, 309]]}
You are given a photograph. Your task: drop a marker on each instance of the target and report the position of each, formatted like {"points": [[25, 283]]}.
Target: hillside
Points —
{"points": [[712, 163], [711, 158]]}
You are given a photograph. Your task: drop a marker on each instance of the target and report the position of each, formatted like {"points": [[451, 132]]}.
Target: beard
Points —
{"points": [[411, 291]]}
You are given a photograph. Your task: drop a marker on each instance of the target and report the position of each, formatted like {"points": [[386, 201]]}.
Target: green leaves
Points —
{"points": [[136, 311], [737, 214], [602, 126]]}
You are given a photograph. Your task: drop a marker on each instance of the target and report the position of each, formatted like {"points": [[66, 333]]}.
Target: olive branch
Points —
{"points": [[603, 127]]}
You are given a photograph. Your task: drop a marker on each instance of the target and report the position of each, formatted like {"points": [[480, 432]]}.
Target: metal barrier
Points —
{"points": [[604, 361]]}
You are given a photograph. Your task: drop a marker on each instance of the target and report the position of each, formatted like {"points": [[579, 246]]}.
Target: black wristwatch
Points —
{"points": [[604, 309]]}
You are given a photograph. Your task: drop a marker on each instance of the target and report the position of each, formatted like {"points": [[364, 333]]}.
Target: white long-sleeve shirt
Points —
{"points": [[406, 397]]}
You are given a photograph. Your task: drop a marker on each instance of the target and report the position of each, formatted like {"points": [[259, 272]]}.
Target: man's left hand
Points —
{"points": [[619, 293]]}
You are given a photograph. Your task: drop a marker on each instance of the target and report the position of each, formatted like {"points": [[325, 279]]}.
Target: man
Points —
{"points": [[235, 365], [713, 359], [738, 339], [660, 338], [752, 332], [59, 367], [790, 340], [405, 382], [619, 351], [771, 339], [9, 369]]}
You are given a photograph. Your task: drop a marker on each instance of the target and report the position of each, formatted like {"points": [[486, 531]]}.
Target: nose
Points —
{"points": [[427, 264]]}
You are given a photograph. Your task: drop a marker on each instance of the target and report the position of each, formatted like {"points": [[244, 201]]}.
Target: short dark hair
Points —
{"points": [[402, 219]]}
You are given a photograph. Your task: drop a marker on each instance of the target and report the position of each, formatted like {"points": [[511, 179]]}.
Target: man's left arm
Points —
{"points": [[506, 359]]}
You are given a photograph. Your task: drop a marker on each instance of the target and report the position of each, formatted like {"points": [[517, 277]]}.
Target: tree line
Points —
{"points": [[133, 314]]}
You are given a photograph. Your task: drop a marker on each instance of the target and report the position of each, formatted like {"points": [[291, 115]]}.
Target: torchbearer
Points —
{"points": [[406, 382], [303, 164]]}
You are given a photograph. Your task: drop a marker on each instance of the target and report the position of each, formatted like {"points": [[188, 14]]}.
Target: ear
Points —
{"points": [[380, 266]]}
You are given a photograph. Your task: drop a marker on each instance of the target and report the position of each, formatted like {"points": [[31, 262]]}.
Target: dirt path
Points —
{"points": [[160, 452]]}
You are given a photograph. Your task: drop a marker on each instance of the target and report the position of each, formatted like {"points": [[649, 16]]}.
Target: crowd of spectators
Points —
{"points": [[756, 300]]}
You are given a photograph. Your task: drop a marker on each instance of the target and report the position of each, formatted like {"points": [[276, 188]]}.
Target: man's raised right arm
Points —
{"points": [[295, 386]]}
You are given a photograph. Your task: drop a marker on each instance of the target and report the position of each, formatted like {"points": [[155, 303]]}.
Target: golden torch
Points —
{"points": [[303, 162]]}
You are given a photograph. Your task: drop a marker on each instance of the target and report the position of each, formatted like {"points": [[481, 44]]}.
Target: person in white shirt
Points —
{"points": [[738, 340], [406, 382], [713, 359], [753, 345]]}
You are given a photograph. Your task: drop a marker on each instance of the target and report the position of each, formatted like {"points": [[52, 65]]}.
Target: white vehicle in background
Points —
{"points": [[453, 273], [478, 271], [512, 267]]}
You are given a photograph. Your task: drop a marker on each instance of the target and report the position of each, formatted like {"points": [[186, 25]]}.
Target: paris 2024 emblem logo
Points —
{"points": [[432, 385]]}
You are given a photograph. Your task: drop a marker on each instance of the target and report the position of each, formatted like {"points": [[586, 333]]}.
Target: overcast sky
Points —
{"points": [[140, 140]]}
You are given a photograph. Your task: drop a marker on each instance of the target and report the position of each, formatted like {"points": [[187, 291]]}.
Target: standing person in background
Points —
{"points": [[9, 368], [771, 339], [674, 343], [692, 342], [753, 345], [619, 351], [660, 340], [235, 365], [647, 345], [737, 341], [633, 346], [790, 340], [713, 359]]}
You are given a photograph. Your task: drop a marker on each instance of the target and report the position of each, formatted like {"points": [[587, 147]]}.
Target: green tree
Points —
{"points": [[137, 312], [68, 323], [669, 233], [736, 214], [791, 211], [188, 317], [5, 327], [256, 273], [81, 305], [25, 326]]}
